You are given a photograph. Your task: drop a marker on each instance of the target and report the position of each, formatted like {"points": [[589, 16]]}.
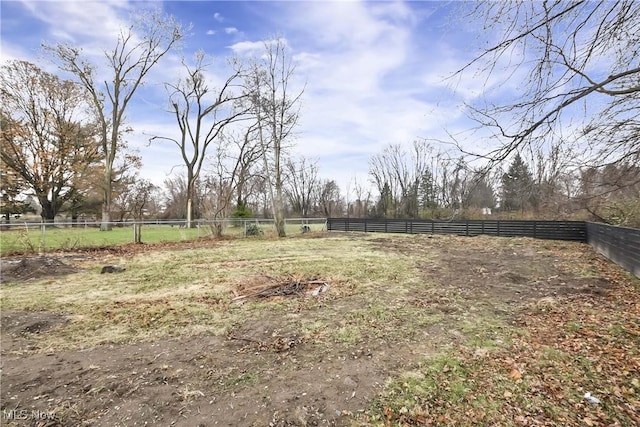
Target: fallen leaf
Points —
{"points": [[515, 374], [420, 419], [520, 420]]}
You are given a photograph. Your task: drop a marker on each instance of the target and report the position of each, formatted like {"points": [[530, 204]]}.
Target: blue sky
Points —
{"points": [[374, 71]]}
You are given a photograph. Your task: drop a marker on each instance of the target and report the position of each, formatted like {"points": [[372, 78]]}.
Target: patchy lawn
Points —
{"points": [[324, 329]]}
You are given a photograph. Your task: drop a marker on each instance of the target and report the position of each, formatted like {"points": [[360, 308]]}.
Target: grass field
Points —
{"points": [[413, 330], [31, 239]]}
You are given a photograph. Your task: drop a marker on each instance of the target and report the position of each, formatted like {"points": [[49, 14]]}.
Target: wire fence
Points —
{"points": [[38, 237]]}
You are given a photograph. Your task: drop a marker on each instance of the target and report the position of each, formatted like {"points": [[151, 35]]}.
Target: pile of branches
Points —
{"points": [[282, 287]]}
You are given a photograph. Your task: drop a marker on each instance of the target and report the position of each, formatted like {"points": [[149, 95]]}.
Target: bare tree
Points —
{"points": [[611, 194], [556, 180], [234, 158], [46, 139], [175, 198], [397, 172], [479, 193], [302, 180], [247, 168], [135, 198], [276, 111], [329, 198], [135, 202], [138, 49], [202, 113], [580, 58], [361, 205]]}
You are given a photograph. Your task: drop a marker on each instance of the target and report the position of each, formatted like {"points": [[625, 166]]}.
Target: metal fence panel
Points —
{"points": [[619, 244], [557, 230]]}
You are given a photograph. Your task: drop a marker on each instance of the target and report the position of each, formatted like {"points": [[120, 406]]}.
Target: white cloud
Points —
{"points": [[74, 21], [371, 76], [11, 52], [247, 47], [359, 96]]}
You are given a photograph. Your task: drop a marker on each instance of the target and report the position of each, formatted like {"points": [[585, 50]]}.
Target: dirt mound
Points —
{"points": [[19, 322], [18, 270]]}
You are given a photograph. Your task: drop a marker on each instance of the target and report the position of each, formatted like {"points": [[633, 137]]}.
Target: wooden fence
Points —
{"points": [[557, 230], [620, 245]]}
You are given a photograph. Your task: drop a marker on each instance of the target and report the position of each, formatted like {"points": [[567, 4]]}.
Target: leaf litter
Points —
{"points": [[574, 330]]}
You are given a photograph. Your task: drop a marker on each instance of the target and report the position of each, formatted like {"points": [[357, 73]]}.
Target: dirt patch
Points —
{"points": [[28, 268], [513, 277], [17, 326], [19, 322], [202, 381], [283, 363], [518, 271]]}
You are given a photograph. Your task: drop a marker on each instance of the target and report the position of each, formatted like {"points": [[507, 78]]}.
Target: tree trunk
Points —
{"points": [[105, 225], [189, 212], [48, 212], [278, 208], [106, 201], [217, 229], [191, 185], [137, 233]]}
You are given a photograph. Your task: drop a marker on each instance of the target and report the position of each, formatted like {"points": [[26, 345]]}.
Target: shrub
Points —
{"points": [[253, 230], [242, 211]]}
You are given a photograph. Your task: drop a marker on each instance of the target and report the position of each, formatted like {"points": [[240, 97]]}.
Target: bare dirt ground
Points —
{"points": [[265, 372], [169, 382]]}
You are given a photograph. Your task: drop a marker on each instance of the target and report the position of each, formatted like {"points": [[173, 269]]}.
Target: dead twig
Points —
{"points": [[282, 287]]}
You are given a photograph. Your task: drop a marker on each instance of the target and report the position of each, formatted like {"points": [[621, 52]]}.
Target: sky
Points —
{"points": [[373, 73]]}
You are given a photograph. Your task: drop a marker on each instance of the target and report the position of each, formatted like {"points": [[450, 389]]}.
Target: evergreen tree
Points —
{"points": [[385, 203], [427, 192], [480, 194], [518, 186]]}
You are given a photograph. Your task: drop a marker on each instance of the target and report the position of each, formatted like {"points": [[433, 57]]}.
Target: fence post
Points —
{"points": [[386, 221], [467, 224], [498, 227], [43, 240], [534, 229], [365, 225]]}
